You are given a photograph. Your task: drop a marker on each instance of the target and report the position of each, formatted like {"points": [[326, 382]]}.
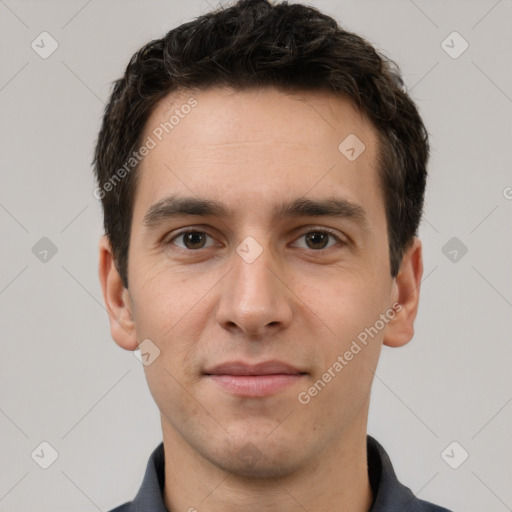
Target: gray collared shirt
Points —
{"points": [[389, 494]]}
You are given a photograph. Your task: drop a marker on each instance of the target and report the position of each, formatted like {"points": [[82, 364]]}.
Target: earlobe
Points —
{"points": [[116, 298], [400, 330]]}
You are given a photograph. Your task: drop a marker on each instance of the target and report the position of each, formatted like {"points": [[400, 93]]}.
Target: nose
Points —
{"points": [[255, 299]]}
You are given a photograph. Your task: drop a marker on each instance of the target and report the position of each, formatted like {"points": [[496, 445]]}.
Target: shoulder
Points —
{"points": [[389, 492], [150, 494], [426, 506], [125, 507]]}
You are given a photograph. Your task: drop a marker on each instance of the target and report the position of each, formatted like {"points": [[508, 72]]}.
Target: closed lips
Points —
{"points": [[264, 368]]}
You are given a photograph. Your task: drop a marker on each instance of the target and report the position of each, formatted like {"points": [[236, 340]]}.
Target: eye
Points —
{"points": [[318, 239], [192, 240]]}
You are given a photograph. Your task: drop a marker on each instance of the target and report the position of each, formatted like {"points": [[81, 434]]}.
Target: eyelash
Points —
{"points": [[313, 230]]}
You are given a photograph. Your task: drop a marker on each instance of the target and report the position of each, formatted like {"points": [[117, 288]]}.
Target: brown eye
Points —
{"points": [[318, 240], [191, 240]]}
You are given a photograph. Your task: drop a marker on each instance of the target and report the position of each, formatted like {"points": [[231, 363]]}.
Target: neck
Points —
{"points": [[336, 480]]}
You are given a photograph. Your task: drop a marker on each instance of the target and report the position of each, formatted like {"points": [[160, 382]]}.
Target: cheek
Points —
{"points": [[175, 398], [342, 305], [166, 300], [347, 348]]}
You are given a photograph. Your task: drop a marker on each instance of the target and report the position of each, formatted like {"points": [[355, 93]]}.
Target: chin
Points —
{"points": [[258, 458], [262, 468]]}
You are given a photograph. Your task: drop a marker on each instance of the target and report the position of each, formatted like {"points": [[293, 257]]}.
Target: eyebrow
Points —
{"points": [[180, 206]]}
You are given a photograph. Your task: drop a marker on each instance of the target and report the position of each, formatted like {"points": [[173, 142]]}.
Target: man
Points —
{"points": [[262, 174]]}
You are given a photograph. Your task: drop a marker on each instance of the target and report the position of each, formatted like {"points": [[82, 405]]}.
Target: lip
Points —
{"points": [[254, 380], [263, 368]]}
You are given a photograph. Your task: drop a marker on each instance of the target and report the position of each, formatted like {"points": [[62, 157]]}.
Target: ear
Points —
{"points": [[117, 300], [400, 329]]}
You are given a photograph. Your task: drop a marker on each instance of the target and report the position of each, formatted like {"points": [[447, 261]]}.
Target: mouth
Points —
{"points": [[254, 380]]}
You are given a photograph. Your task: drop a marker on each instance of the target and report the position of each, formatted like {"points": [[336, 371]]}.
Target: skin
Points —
{"points": [[250, 150]]}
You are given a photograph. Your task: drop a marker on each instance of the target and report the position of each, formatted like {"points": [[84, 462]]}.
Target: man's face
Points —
{"points": [[254, 286]]}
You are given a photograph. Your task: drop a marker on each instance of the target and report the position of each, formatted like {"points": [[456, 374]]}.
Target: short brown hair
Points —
{"points": [[255, 43]]}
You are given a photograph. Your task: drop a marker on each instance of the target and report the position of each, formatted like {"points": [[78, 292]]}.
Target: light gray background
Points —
{"points": [[63, 379]]}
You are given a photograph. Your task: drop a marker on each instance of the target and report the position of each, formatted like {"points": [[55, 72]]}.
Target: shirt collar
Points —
{"points": [[389, 494]]}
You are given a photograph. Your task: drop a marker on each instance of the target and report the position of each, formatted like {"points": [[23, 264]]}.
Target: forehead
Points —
{"points": [[257, 146], [311, 117]]}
